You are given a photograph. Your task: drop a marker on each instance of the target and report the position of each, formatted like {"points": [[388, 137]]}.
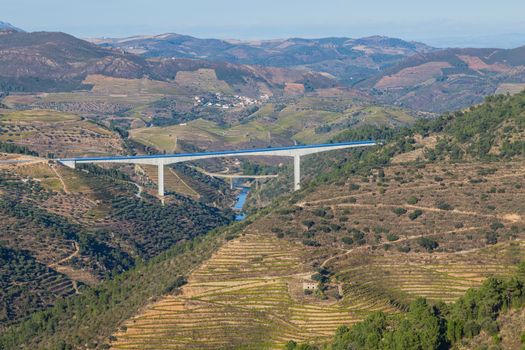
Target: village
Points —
{"points": [[226, 102]]}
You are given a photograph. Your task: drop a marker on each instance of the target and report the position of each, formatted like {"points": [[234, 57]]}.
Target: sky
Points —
{"points": [[497, 23]]}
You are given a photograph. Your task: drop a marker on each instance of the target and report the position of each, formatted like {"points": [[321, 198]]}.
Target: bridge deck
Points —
{"points": [[165, 159], [222, 153]]}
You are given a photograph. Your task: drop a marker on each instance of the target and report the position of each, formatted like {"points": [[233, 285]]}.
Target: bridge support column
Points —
{"points": [[70, 163], [296, 173], [160, 178]]}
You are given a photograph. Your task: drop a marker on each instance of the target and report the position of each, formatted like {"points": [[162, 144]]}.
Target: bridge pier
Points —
{"points": [[160, 179], [296, 172]]}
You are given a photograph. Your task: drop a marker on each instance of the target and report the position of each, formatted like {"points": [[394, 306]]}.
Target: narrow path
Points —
{"points": [[60, 262], [140, 189], [75, 286], [453, 211], [61, 179]]}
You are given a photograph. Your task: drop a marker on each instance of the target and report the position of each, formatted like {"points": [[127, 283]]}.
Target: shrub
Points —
{"points": [[496, 226], [379, 229], [347, 240], [399, 211], [311, 243], [361, 241], [444, 205], [428, 243], [415, 214], [308, 223], [321, 212], [357, 235], [491, 237], [412, 200], [319, 278], [392, 237], [335, 227]]}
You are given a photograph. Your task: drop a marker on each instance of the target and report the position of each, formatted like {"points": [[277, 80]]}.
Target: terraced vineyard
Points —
{"points": [[364, 237], [438, 278], [249, 292]]}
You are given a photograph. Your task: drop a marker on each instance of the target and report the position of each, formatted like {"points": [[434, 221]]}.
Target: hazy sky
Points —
{"points": [[438, 22]]}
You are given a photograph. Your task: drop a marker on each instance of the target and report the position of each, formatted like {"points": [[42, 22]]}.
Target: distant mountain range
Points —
{"points": [[410, 74], [48, 61], [348, 59], [393, 71]]}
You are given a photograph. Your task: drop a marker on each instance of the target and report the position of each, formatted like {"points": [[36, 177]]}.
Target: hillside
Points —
{"points": [[450, 79], [91, 225], [385, 227]]}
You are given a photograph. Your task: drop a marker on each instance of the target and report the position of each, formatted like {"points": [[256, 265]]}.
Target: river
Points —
{"points": [[241, 199]]}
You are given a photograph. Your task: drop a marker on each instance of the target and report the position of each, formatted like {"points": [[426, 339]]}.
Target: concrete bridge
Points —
{"points": [[232, 177], [296, 152]]}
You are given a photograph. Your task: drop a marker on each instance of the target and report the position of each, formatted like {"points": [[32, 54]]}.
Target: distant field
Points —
{"points": [[103, 85], [105, 93], [36, 115], [413, 75], [203, 79]]}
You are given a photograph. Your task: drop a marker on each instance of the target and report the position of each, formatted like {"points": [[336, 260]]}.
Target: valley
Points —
{"points": [[416, 241]]}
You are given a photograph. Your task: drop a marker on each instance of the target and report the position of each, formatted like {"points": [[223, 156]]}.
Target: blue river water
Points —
{"points": [[241, 199]]}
